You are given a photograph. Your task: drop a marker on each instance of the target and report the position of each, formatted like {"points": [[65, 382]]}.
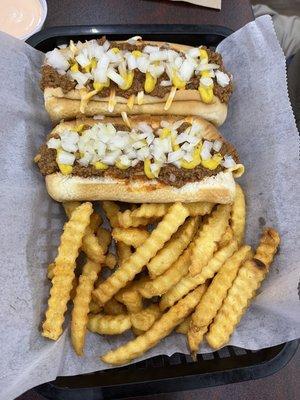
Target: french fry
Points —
{"points": [[123, 251], [165, 281], [173, 249], [131, 298], [111, 210], [90, 243], [208, 238], [94, 307], [113, 307], [212, 300], [238, 214], [149, 211], [184, 326], [104, 238], [226, 238], [125, 220], [137, 332], [110, 261], [71, 241], [189, 282], [130, 236], [109, 324], [157, 211], [95, 220], [70, 206], [91, 246], [200, 208], [134, 264], [81, 303], [159, 330], [50, 270], [74, 287], [144, 319], [248, 280]]}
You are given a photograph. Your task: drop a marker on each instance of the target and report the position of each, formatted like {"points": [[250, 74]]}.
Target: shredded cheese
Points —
{"points": [[112, 101], [85, 97], [140, 97], [125, 119], [170, 98], [130, 102]]}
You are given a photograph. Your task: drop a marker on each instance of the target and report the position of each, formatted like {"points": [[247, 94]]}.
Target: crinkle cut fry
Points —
{"points": [[174, 248], [144, 319], [189, 282], [159, 330], [125, 220], [68, 250], [147, 212], [111, 210], [212, 300], [90, 244], [134, 264], [81, 303], [95, 220], [184, 326], [238, 214], [165, 281], [131, 236], [109, 324], [248, 280], [209, 236]]}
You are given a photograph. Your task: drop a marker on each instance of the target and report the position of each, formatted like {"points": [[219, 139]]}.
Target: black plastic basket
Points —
{"points": [[160, 374]]}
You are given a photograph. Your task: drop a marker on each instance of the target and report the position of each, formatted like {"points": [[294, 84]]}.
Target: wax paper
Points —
{"points": [[261, 125]]}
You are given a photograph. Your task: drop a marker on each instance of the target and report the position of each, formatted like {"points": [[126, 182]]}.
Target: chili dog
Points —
{"points": [[99, 77], [156, 159]]}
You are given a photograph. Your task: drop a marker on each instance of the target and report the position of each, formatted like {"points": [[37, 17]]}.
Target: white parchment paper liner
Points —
{"points": [[261, 125]]}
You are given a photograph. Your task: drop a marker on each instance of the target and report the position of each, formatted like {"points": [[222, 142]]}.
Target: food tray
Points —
{"points": [[159, 374]]}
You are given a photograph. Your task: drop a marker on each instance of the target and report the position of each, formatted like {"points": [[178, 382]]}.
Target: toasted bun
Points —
{"points": [[217, 189], [60, 105]]}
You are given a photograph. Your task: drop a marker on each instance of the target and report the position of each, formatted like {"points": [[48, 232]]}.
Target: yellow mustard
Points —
{"points": [[100, 165], [147, 169], [213, 162]]}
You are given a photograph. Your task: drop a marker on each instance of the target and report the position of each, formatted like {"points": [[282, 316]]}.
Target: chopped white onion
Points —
{"points": [[178, 61], [125, 161], [80, 77], [228, 162], [131, 62], [175, 156], [222, 78], [134, 39], [86, 159], [63, 157], [194, 52], [142, 64], [82, 58], [160, 55], [217, 145], [208, 67], [165, 83], [56, 59], [186, 70], [53, 143], [205, 81], [150, 49], [106, 45], [188, 157], [111, 157], [115, 77], [143, 153], [139, 144]]}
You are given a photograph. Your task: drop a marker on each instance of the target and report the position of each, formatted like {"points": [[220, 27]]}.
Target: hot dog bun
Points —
{"points": [[61, 105], [219, 188]]}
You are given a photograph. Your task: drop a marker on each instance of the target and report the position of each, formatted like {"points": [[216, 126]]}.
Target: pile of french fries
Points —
{"points": [[177, 266]]}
